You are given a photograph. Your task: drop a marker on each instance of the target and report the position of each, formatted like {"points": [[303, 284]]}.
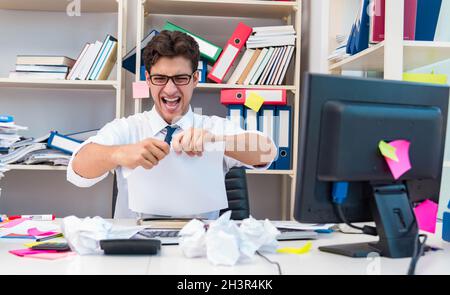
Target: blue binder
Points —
{"points": [[129, 61], [359, 35], [236, 114], [427, 19], [446, 225], [142, 74], [266, 124], [202, 68], [283, 133], [62, 142]]}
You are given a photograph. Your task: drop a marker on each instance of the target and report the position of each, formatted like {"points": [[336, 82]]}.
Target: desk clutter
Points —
{"points": [[53, 148]]}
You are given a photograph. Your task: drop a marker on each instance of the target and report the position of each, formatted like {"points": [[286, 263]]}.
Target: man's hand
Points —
{"points": [[192, 141], [146, 153]]}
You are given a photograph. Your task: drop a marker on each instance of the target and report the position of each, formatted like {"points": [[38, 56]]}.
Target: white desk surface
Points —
{"points": [[171, 261]]}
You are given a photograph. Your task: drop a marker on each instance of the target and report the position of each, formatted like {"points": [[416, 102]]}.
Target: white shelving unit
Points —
{"points": [[394, 55], [289, 12], [115, 86]]}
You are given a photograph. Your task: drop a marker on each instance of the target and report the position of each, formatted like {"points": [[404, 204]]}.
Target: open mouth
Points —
{"points": [[171, 103]]}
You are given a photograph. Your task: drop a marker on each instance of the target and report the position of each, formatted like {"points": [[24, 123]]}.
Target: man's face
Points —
{"points": [[171, 100]]}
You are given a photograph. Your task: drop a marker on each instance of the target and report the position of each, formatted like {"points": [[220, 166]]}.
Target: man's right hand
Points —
{"points": [[146, 153]]}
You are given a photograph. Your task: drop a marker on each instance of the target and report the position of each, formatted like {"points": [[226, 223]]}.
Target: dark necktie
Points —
{"points": [[170, 130]]}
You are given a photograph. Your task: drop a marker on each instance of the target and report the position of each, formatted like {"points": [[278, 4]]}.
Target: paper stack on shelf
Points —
{"points": [[47, 156], [340, 52], [8, 133], [42, 67], [21, 153]]}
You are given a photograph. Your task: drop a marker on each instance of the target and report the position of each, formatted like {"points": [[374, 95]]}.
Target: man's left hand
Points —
{"points": [[192, 141]]}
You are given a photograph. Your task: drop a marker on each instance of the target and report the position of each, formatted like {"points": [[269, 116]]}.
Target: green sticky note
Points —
{"points": [[254, 101], [388, 150]]}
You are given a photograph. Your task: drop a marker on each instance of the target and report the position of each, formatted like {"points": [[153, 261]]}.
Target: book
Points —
{"points": [[272, 71], [249, 66], [42, 68], [77, 62], [129, 60], [255, 66], [49, 60], [163, 223], [279, 79], [277, 68], [105, 60], [269, 66], [88, 60], [101, 56], [273, 41], [245, 59], [37, 75], [262, 65]]}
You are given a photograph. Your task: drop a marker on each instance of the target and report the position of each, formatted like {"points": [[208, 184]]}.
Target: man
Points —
{"points": [[144, 139]]}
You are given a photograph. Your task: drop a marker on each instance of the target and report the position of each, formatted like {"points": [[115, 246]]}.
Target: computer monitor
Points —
{"points": [[342, 120]]}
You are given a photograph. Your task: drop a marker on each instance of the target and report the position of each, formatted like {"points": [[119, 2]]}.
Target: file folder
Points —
{"points": [[283, 134], [236, 114], [129, 60], [266, 124], [62, 142], [207, 50], [202, 68], [251, 120], [427, 19], [238, 96], [230, 52]]}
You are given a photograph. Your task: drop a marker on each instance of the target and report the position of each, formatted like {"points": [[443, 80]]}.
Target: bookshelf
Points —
{"points": [[288, 12], [114, 87], [394, 55]]}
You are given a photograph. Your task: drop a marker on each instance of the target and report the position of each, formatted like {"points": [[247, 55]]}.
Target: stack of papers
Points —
{"points": [[20, 153], [340, 52], [301, 226], [8, 134], [47, 156]]}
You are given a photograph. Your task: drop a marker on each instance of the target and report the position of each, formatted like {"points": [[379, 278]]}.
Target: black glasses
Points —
{"points": [[179, 80]]}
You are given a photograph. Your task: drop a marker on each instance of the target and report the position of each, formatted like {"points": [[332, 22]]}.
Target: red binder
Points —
{"points": [[238, 96], [230, 52], [378, 19]]}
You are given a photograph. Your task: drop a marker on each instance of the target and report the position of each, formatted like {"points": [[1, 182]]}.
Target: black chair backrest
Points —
{"points": [[237, 194]]}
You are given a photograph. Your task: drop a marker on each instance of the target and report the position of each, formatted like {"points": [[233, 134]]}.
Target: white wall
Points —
{"points": [[74, 110]]}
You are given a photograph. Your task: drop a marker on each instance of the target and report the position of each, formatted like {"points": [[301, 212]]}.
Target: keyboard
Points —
{"points": [[170, 236]]}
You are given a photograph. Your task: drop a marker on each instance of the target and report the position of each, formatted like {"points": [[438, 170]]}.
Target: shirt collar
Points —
{"points": [[157, 123]]}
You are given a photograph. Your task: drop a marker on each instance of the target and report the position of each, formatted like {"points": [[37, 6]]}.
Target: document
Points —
{"points": [[180, 185]]}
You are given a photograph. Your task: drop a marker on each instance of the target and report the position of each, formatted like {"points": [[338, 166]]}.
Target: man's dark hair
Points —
{"points": [[171, 44]]}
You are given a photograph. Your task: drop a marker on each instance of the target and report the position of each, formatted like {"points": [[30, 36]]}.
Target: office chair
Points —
{"points": [[237, 194]]}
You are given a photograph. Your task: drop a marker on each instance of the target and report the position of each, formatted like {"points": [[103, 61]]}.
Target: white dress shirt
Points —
{"points": [[149, 124]]}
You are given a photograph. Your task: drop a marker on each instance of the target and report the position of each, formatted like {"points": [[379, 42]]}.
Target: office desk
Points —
{"points": [[171, 261]]}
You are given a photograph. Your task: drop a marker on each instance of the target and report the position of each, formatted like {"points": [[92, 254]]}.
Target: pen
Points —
{"points": [[44, 217], [49, 237]]}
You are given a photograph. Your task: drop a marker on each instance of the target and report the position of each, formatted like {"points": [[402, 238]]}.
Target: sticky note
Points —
{"points": [[140, 90], [14, 222], [254, 101], [388, 150], [291, 250], [26, 252], [35, 232], [52, 256], [426, 214], [403, 165]]}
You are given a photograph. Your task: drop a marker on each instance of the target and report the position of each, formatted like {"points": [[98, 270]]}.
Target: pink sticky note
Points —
{"points": [[140, 90], [14, 222], [35, 232], [403, 165], [426, 214], [26, 252]]}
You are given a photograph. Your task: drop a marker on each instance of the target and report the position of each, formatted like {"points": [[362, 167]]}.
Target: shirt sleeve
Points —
{"points": [[227, 127], [113, 133]]}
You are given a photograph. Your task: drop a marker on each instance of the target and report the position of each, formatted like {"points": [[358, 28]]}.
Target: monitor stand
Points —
{"points": [[395, 222]]}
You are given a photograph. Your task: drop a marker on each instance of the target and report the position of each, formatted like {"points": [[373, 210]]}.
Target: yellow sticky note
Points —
{"points": [[29, 245], [291, 250], [388, 150], [425, 78], [254, 101]]}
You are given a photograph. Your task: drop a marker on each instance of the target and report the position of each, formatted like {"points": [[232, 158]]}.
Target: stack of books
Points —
{"points": [[268, 53], [8, 132], [42, 67], [95, 61]]}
